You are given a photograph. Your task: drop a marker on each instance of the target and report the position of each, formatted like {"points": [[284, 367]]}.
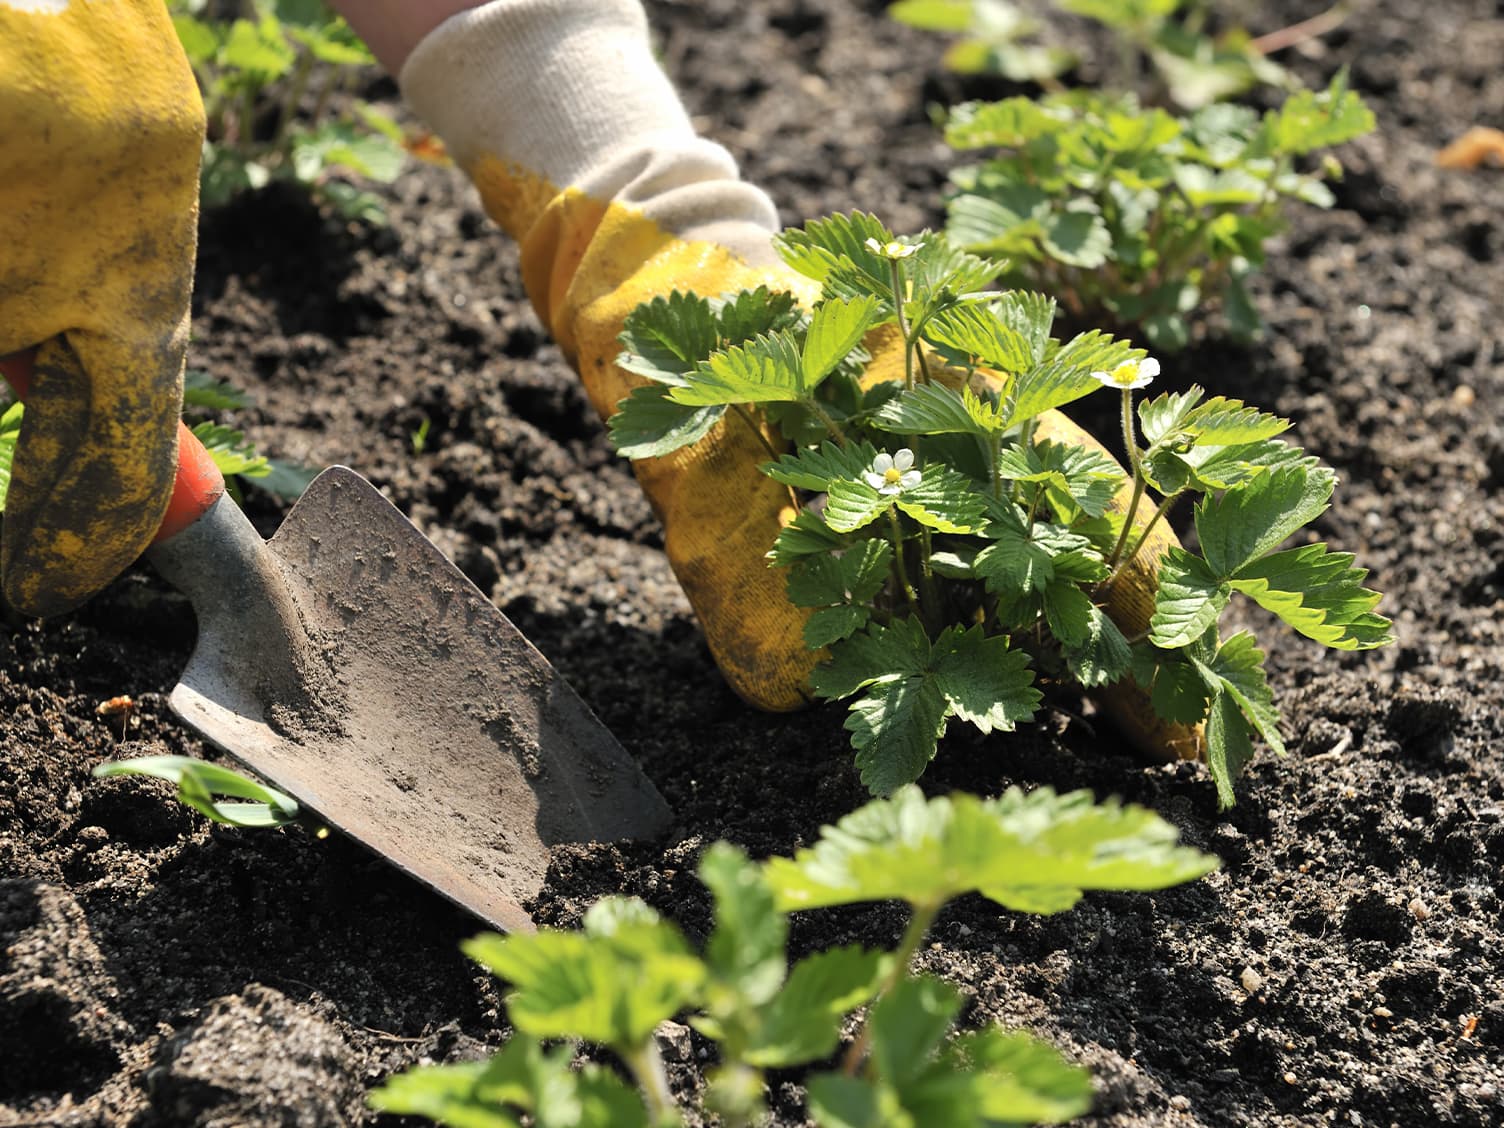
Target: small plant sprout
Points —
{"points": [[957, 547], [199, 782], [612, 983]]}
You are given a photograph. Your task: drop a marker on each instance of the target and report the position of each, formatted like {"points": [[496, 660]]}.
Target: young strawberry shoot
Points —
{"points": [[611, 985], [957, 545], [199, 782]]}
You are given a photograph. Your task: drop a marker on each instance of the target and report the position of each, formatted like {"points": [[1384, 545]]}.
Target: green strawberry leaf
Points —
{"points": [[802, 1023], [851, 505], [612, 983], [648, 424], [1088, 477], [806, 535], [1237, 669], [1067, 375], [1318, 593], [745, 952], [881, 653], [907, 1026], [1190, 599], [835, 328], [1017, 1079], [979, 333], [1034, 853], [1241, 525], [815, 468], [1228, 747], [855, 576], [895, 729], [1102, 656], [753, 313], [766, 369], [665, 338], [834, 252], [543, 1085], [944, 500], [934, 409]]}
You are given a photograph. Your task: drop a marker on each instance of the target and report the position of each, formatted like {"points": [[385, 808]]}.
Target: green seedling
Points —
{"points": [[256, 73], [419, 437], [198, 783], [1136, 217], [611, 985], [952, 559], [235, 455], [1163, 48]]}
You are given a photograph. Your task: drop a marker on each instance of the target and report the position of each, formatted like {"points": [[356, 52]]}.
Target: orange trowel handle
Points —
{"points": [[199, 483]]}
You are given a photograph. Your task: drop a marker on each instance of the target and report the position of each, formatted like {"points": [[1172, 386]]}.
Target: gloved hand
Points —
{"points": [[101, 128], [581, 150]]}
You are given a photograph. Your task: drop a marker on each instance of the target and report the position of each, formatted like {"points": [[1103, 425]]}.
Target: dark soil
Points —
{"points": [[1343, 967]]}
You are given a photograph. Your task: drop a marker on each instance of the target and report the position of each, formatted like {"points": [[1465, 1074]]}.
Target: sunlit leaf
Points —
{"points": [[1021, 850]]}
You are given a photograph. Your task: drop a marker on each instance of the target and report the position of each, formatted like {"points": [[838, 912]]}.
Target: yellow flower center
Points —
{"points": [[1125, 373], [892, 476]]}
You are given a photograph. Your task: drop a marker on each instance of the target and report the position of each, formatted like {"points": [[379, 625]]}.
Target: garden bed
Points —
{"points": [[1342, 967]]}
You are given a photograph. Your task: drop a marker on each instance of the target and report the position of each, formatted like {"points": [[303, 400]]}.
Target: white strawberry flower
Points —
{"points": [[891, 474], [1131, 374], [893, 249]]}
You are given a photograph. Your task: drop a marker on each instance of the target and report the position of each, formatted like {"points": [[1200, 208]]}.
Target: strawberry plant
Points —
{"points": [[1162, 46], [1133, 216], [955, 545], [256, 72], [610, 985]]}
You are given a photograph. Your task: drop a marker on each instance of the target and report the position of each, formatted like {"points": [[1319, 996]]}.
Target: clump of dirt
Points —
{"points": [[1341, 968]]}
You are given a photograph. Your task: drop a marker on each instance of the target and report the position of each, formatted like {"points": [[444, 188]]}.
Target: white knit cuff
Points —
{"points": [[569, 90]]}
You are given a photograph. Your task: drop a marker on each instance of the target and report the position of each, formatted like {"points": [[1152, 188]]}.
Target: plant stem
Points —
{"points": [[994, 456], [326, 91], [830, 424], [895, 271], [1130, 442], [647, 1068], [924, 364], [1034, 507], [1164, 507], [294, 96], [919, 924], [903, 569], [746, 417]]}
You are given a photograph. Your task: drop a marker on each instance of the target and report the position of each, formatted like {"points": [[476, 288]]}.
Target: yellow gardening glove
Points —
{"points": [[581, 151], [101, 127]]}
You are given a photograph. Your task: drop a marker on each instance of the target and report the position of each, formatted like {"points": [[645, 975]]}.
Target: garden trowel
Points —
{"points": [[351, 665]]}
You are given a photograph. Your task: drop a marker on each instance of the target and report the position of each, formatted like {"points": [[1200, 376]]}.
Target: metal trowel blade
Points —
{"points": [[349, 663]]}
